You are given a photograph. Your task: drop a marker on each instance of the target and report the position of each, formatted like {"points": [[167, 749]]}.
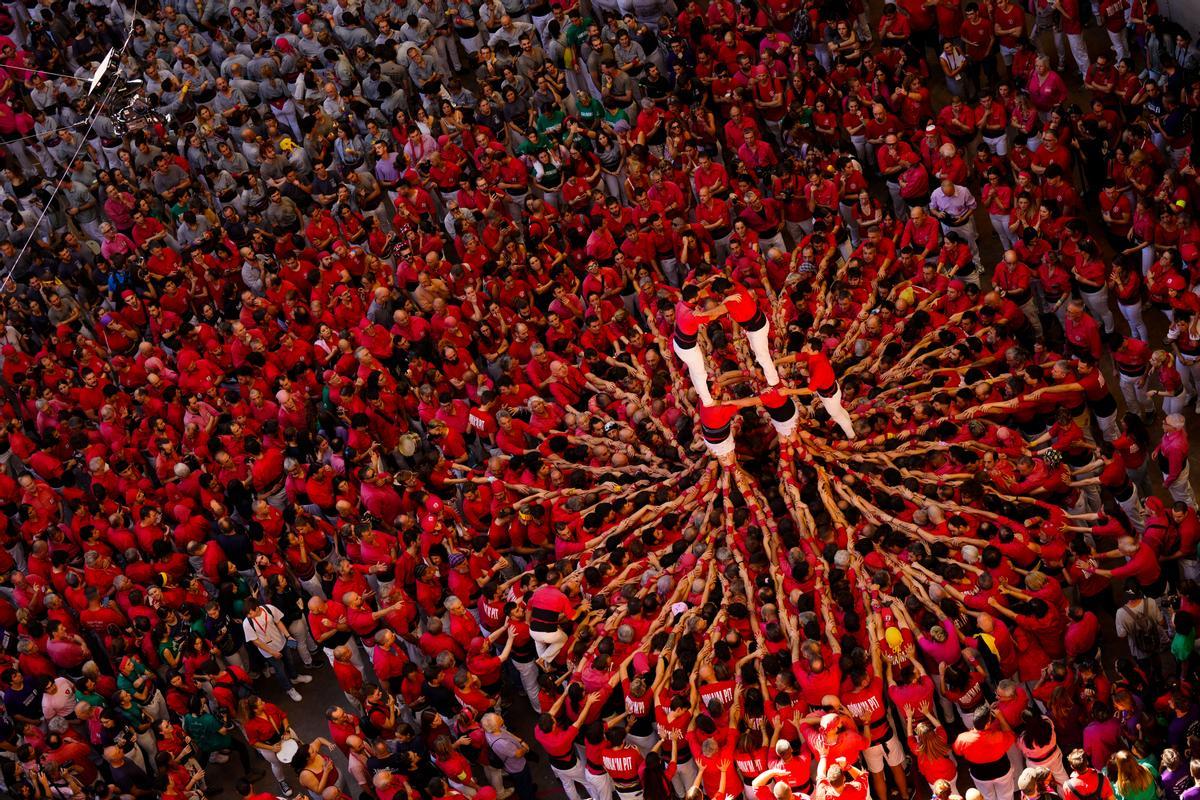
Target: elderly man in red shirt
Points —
{"points": [[1082, 331], [1171, 455], [923, 232]]}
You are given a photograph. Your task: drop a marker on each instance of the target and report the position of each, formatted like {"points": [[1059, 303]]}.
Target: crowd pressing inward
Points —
{"points": [[779, 399]]}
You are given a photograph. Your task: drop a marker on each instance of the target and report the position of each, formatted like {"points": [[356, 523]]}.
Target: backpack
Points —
{"points": [[801, 26], [1144, 634], [1074, 783], [1170, 540]]}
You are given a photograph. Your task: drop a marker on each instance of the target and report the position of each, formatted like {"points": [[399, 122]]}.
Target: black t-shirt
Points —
{"points": [[25, 703], [441, 699], [129, 776], [289, 604]]}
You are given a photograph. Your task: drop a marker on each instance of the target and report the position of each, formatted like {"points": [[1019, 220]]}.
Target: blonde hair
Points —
{"points": [[1132, 775], [929, 744]]}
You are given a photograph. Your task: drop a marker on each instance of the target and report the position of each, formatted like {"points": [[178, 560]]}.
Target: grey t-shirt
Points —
{"points": [[77, 195], [506, 746]]}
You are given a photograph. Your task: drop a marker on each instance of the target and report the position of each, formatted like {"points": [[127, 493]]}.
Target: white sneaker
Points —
{"points": [[292, 693], [302, 679]]}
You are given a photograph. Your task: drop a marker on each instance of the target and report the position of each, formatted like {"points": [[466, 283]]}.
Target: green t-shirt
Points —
{"points": [[574, 33], [528, 148], [205, 730], [1183, 645], [126, 682], [615, 116], [590, 111], [549, 123]]}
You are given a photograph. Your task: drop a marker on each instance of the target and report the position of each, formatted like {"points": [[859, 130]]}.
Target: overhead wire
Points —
{"points": [[115, 63]]}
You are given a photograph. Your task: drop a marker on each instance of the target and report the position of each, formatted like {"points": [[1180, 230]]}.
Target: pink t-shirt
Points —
{"points": [[945, 652]]}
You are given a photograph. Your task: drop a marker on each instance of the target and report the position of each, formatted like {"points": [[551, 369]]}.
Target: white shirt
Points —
{"points": [[264, 629]]}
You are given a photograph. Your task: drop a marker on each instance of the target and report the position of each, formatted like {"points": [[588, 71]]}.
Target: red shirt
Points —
{"points": [[978, 37], [983, 747], [741, 304]]}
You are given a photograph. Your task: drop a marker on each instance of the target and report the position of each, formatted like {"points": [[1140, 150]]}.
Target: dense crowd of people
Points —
{"points": [[778, 399]]}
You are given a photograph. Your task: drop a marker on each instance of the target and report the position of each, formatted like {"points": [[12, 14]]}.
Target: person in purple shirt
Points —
{"points": [[387, 170], [1193, 791], [1184, 713], [1175, 776]]}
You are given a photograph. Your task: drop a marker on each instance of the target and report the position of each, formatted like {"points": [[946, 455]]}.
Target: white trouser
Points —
{"points": [[272, 759], [969, 234], [899, 207], [859, 143], [614, 183], [693, 359], [445, 47], [149, 746], [238, 659], [599, 787], [1181, 489], [528, 670], [1135, 395], [300, 632], [1119, 45], [721, 448], [156, 706], [1190, 374], [568, 778], [1108, 429], [998, 789], [1189, 568], [1054, 763], [670, 270], [1000, 226], [135, 754], [643, 743], [1133, 317], [685, 776], [470, 44], [287, 115], [313, 586], [1132, 506], [1097, 303], [760, 345], [1030, 309], [1175, 404], [786, 428], [998, 144], [91, 229], [1079, 52], [837, 413], [548, 643], [765, 243]]}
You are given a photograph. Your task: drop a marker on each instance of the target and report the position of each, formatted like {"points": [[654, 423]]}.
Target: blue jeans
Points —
{"points": [[282, 669]]}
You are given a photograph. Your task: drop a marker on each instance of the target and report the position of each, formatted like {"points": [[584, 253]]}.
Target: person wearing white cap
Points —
{"points": [[1171, 456]]}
